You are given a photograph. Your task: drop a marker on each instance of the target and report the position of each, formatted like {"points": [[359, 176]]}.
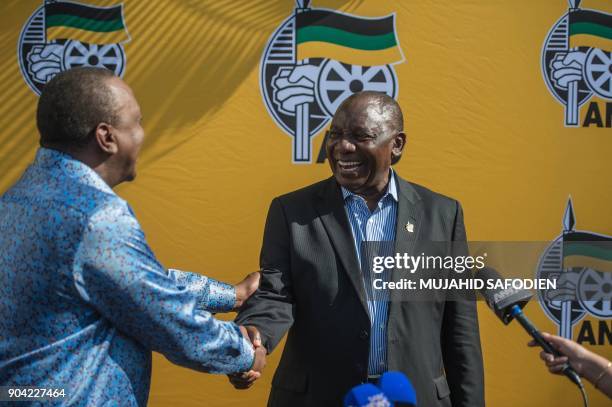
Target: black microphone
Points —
{"points": [[508, 304]]}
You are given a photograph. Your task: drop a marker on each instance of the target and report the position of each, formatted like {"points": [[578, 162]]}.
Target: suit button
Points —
{"points": [[363, 334]]}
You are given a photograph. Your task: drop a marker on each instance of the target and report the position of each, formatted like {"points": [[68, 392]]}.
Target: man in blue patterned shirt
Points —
{"points": [[83, 300]]}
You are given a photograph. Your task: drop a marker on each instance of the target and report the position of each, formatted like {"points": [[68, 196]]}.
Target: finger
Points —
{"points": [[254, 336], [244, 380], [575, 57], [556, 369], [43, 74], [304, 71], [564, 82], [563, 74], [44, 65], [559, 361], [282, 83], [546, 357], [254, 279], [54, 50], [241, 386], [34, 58], [561, 344]]}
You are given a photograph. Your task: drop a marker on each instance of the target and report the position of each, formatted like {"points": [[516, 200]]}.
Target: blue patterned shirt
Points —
{"points": [[376, 226], [83, 300]]}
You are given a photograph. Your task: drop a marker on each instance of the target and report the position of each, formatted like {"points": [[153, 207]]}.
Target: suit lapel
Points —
{"points": [[330, 207], [408, 226]]}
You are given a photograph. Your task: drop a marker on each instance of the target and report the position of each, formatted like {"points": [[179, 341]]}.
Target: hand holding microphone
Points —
{"points": [[596, 369]]}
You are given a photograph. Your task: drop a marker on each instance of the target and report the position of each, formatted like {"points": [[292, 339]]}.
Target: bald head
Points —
{"points": [[365, 138], [379, 107]]}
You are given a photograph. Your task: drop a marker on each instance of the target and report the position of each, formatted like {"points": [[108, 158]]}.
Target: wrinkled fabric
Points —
{"points": [[84, 301]]}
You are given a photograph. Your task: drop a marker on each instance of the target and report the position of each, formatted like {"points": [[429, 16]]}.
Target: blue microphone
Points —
{"points": [[366, 395], [398, 389]]}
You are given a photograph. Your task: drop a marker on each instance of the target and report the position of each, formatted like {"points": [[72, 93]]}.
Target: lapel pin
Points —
{"points": [[410, 227]]}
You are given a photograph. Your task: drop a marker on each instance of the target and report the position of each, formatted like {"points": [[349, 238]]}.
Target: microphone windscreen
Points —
{"points": [[366, 395], [500, 298], [398, 388]]}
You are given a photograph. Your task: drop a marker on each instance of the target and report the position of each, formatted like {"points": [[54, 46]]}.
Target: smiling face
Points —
{"points": [[365, 138]]}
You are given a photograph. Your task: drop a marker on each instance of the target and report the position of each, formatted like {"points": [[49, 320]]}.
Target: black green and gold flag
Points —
{"points": [[582, 249], [85, 23], [349, 39], [589, 28]]}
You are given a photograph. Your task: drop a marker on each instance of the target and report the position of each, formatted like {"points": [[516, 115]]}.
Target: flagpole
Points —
{"points": [[571, 105], [301, 141], [565, 322]]}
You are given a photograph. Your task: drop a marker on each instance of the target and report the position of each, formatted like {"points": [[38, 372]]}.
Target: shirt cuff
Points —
{"points": [[221, 296], [212, 295], [246, 360]]}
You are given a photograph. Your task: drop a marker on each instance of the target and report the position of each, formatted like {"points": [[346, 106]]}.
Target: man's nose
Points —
{"points": [[346, 146]]}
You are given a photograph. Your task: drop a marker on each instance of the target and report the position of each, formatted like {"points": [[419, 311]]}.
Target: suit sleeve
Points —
{"points": [[271, 308], [118, 275], [461, 339]]}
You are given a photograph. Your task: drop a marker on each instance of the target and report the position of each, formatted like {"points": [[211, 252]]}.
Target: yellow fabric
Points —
{"points": [[90, 37], [481, 127]]}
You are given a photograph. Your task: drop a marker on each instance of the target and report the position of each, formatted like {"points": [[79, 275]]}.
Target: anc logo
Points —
{"points": [[61, 35], [577, 63], [581, 263], [315, 60]]}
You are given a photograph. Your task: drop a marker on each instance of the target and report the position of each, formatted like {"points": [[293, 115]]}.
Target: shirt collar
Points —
{"points": [[391, 189], [71, 167]]}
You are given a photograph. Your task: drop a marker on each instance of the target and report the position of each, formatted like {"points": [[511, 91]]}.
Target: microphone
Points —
{"points": [[366, 395], [508, 304], [398, 389]]}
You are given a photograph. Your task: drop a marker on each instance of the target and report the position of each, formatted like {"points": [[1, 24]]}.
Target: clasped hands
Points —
{"points": [[244, 380]]}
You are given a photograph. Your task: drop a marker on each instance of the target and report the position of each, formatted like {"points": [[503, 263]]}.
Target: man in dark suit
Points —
{"points": [[341, 332]]}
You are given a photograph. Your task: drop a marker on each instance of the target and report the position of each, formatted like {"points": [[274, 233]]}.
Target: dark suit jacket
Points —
{"points": [[313, 288]]}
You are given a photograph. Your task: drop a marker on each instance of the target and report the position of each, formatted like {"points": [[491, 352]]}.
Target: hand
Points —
{"points": [[294, 86], [567, 68], [45, 61], [246, 288], [245, 380], [571, 351]]}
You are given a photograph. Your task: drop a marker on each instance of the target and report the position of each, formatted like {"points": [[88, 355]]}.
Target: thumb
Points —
{"points": [[254, 336], [252, 282]]}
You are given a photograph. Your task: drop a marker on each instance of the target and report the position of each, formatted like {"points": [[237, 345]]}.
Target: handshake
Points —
{"points": [[244, 380]]}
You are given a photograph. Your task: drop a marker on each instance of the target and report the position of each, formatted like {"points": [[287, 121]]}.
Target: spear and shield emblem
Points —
{"points": [[581, 263], [577, 59], [315, 60], [60, 35]]}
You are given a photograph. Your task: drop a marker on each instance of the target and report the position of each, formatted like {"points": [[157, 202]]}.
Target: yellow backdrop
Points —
{"points": [[482, 127]]}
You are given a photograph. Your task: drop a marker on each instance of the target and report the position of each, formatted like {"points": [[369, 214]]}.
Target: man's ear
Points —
{"points": [[399, 141], [106, 139]]}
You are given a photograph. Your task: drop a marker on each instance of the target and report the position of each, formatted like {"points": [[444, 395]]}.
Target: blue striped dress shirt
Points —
{"points": [[375, 226]]}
